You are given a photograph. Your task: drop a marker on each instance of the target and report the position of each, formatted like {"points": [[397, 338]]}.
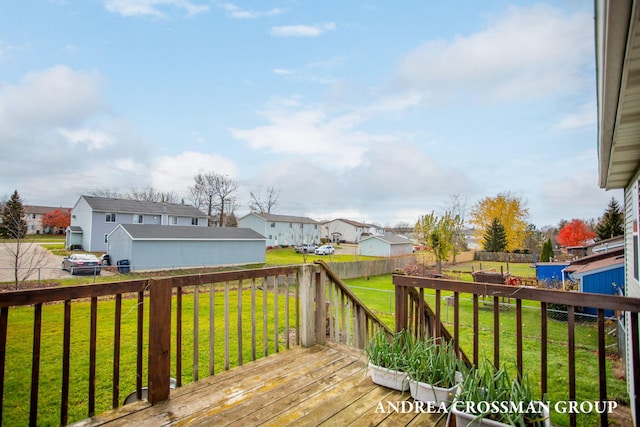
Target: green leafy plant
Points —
{"points": [[434, 362], [489, 392], [390, 351]]}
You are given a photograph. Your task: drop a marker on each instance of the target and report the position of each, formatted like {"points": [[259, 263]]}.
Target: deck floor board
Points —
{"points": [[322, 385]]}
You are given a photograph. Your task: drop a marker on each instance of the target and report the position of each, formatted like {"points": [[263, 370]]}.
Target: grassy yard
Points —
{"points": [[377, 293], [20, 336]]}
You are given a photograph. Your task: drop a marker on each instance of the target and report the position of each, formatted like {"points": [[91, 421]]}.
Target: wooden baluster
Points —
{"points": [[66, 350], [35, 364], [117, 326]]}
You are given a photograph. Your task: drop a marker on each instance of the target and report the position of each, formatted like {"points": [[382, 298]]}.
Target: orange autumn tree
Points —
{"points": [[60, 218], [574, 233]]}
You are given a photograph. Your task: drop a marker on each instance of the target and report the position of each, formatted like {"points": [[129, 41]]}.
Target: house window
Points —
{"points": [[173, 220], [273, 225], [194, 221], [137, 219], [33, 216], [106, 239], [110, 217]]}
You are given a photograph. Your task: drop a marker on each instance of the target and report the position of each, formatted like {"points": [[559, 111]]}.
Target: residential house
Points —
{"points": [[282, 230], [34, 216], [148, 247], [93, 218], [617, 26], [385, 246], [346, 230]]}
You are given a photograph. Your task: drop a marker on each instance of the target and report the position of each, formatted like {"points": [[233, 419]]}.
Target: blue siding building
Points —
{"points": [[604, 276]]}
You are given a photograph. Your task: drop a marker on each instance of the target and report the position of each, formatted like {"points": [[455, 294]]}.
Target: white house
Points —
{"points": [[282, 230], [346, 230], [386, 246], [148, 247], [93, 218], [34, 216], [618, 68]]}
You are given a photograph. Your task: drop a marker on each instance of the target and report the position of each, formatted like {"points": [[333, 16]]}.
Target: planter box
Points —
{"points": [[396, 380], [427, 393], [465, 419]]}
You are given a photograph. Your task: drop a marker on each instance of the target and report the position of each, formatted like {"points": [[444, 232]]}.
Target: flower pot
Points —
{"points": [[428, 393], [396, 380], [466, 419]]}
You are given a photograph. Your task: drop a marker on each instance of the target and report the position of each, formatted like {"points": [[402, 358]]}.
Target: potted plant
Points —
{"points": [[434, 371], [492, 398], [387, 358]]}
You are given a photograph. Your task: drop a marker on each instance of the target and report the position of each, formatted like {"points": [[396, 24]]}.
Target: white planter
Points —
{"points": [[428, 393], [396, 380], [465, 419]]}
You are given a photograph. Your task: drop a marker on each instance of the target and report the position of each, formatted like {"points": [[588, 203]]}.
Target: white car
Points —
{"points": [[325, 250]]}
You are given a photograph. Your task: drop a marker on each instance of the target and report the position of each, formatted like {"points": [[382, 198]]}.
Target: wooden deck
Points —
{"points": [[321, 385]]}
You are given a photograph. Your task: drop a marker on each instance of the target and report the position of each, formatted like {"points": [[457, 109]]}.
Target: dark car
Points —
{"points": [[81, 263]]}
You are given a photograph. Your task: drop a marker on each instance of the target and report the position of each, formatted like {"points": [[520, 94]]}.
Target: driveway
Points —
{"points": [[44, 262]]}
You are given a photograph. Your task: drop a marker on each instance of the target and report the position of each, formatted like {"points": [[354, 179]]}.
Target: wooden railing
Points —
{"points": [[140, 336], [348, 320], [410, 314]]}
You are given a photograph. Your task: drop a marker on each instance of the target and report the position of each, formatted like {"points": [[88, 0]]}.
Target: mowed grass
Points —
{"points": [[20, 338], [377, 293]]}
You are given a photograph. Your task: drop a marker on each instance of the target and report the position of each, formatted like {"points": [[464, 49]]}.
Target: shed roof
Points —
{"points": [[105, 204], [392, 239], [187, 232], [600, 264]]}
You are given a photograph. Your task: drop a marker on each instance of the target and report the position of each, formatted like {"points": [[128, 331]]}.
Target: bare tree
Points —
{"points": [[150, 194], [215, 193], [105, 192], [266, 203], [26, 258]]}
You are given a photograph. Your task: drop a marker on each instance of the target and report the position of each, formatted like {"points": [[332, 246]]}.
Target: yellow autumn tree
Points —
{"points": [[507, 208]]}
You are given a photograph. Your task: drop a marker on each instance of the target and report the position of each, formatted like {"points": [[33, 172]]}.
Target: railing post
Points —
{"points": [[159, 339], [401, 307], [307, 303]]}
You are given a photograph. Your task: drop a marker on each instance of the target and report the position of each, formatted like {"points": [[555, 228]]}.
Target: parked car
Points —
{"points": [[306, 248], [77, 263], [325, 250]]}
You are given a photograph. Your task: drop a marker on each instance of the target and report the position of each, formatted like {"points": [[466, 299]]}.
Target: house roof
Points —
{"points": [[392, 239], [618, 78], [104, 204], [283, 218], [599, 265], [186, 232], [29, 209], [353, 223]]}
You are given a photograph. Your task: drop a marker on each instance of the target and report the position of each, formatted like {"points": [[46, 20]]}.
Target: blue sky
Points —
{"points": [[375, 111]]}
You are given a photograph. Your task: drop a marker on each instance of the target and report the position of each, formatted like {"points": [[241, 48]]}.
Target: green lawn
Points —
{"points": [[19, 345], [377, 293]]}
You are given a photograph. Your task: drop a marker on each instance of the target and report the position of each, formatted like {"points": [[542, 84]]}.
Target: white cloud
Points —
{"points": [[586, 116], [175, 173], [152, 7], [235, 12], [92, 139], [57, 95], [302, 30], [283, 71], [530, 52]]}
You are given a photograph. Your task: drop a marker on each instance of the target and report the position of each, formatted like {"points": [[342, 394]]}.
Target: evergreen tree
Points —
{"points": [[612, 222], [547, 251], [14, 225], [495, 239]]}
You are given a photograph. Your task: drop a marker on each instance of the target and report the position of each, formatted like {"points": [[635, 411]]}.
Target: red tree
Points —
{"points": [[60, 218], [574, 233]]}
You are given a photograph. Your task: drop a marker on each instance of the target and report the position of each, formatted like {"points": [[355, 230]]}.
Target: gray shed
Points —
{"points": [[148, 247], [386, 246]]}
